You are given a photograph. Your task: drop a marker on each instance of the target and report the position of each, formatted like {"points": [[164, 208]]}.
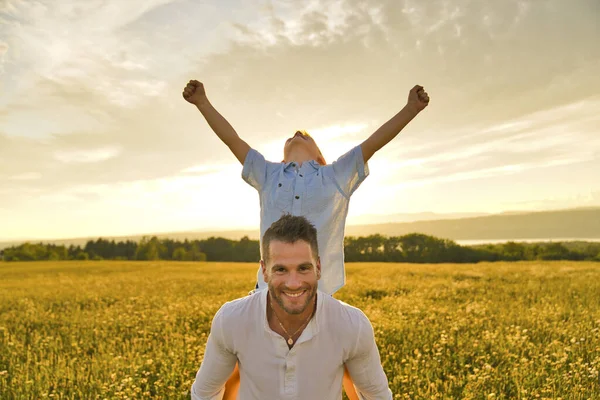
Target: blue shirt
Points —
{"points": [[321, 193]]}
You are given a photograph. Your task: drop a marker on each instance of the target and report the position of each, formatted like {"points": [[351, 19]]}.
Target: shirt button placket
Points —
{"points": [[290, 379], [296, 204], [299, 192]]}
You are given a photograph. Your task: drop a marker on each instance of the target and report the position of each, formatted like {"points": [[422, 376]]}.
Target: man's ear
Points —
{"points": [[263, 267], [318, 268]]}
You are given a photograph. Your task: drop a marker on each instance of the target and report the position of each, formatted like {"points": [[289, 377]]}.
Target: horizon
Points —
{"points": [[435, 218], [96, 140]]}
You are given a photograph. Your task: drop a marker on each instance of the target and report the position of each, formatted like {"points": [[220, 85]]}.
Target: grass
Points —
{"points": [[125, 330]]}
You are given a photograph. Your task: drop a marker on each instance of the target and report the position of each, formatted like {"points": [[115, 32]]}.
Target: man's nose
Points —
{"points": [[294, 282]]}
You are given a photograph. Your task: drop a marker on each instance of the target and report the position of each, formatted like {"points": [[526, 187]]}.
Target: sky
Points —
{"points": [[96, 139]]}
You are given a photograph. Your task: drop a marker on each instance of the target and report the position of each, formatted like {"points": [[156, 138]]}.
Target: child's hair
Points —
{"points": [[290, 229]]}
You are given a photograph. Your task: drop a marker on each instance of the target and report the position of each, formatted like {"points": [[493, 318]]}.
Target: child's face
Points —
{"points": [[306, 142]]}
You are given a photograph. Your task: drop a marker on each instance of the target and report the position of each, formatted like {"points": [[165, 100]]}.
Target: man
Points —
{"points": [[291, 340]]}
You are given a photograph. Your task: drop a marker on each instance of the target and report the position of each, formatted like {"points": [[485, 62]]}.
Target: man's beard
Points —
{"points": [[311, 293]]}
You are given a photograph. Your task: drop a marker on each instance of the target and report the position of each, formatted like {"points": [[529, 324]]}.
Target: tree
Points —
{"points": [[149, 249], [247, 250], [554, 251], [513, 251], [179, 254], [218, 249]]}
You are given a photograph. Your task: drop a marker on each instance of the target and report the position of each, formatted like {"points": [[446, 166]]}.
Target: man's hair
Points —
{"points": [[290, 229]]}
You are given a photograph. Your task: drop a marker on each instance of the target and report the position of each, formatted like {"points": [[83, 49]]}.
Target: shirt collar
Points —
{"points": [[315, 165], [311, 329]]}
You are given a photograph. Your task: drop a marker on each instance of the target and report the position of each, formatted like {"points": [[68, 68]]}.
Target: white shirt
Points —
{"points": [[313, 368], [319, 193]]}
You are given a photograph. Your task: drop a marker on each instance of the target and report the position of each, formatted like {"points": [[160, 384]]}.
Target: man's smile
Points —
{"points": [[294, 294]]}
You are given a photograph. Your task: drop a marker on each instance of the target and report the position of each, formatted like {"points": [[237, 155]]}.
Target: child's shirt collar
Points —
{"points": [[293, 164]]}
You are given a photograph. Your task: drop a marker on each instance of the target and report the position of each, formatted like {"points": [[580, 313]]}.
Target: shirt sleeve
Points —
{"points": [[364, 366], [350, 170], [256, 169], [217, 366]]}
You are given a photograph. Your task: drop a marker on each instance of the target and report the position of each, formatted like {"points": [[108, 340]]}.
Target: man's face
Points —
{"points": [[292, 274], [301, 140]]}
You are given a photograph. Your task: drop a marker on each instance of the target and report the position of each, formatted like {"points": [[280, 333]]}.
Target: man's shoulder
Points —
{"points": [[346, 313], [240, 309]]}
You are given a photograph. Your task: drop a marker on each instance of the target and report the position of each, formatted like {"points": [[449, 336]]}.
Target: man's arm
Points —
{"points": [[194, 93], [364, 366], [417, 101], [217, 366]]}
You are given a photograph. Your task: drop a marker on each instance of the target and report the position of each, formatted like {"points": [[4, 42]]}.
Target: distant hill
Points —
{"points": [[583, 223], [370, 219], [575, 223]]}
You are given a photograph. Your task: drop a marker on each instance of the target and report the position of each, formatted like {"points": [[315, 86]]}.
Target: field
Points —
{"points": [[125, 330]]}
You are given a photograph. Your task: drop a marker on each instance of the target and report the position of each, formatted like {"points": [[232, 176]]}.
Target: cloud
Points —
{"points": [[95, 77], [309, 67], [83, 44], [336, 131], [559, 136], [488, 172], [87, 156], [488, 71], [590, 198], [204, 169], [26, 176], [91, 93], [3, 51]]}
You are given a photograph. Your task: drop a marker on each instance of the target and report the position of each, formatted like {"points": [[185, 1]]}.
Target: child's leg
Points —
{"points": [[233, 385], [349, 386]]}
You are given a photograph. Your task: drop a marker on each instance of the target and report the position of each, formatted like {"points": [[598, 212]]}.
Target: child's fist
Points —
{"points": [[418, 98], [194, 92]]}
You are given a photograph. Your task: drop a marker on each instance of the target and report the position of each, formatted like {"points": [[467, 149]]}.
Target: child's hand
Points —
{"points": [[418, 98], [194, 93]]}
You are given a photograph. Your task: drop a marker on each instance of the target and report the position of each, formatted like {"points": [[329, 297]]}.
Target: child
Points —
{"points": [[303, 184]]}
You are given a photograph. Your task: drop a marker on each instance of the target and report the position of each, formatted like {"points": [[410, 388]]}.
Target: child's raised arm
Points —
{"points": [[417, 101], [194, 93]]}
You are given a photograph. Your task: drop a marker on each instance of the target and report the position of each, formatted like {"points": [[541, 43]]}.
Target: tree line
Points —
{"points": [[411, 248]]}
